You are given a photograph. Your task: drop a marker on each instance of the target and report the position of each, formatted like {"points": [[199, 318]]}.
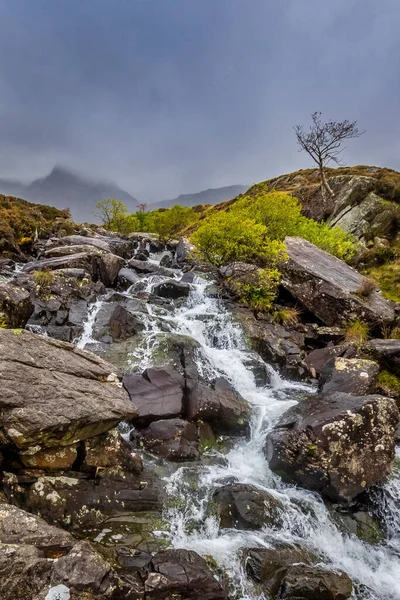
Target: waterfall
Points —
{"points": [[86, 336]]}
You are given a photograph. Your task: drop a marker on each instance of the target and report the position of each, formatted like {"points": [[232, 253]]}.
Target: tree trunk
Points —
{"points": [[324, 183]]}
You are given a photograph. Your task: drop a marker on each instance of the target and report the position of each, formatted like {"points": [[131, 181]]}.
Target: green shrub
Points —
{"points": [[357, 333], [389, 384], [259, 291], [168, 223], [287, 315], [388, 278], [43, 279]]}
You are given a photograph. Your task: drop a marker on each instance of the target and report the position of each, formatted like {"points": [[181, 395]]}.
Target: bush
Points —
{"points": [[259, 291], [366, 288], [168, 223]]}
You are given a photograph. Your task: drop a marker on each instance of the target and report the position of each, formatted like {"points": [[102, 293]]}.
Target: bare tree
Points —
{"points": [[142, 207], [323, 143]]}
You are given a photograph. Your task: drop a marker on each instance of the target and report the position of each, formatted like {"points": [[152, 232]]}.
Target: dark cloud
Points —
{"points": [[171, 96]]}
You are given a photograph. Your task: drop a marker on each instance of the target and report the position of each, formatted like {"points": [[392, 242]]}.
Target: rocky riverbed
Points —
{"points": [[159, 440]]}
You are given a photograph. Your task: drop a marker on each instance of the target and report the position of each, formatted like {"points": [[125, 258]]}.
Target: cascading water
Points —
{"points": [[86, 336], [306, 520]]}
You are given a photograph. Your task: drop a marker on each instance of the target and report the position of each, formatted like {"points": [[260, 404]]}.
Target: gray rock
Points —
{"points": [[174, 439], [350, 375], [53, 394], [127, 277], [147, 268], [183, 250], [387, 352], [328, 287], [15, 306], [243, 506], [172, 289], [157, 394], [335, 443]]}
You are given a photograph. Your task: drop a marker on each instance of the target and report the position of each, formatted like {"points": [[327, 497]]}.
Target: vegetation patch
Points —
{"points": [[388, 384], [357, 333]]}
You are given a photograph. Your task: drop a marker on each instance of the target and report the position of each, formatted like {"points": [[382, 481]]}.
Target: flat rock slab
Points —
{"points": [[53, 394], [328, 287]]}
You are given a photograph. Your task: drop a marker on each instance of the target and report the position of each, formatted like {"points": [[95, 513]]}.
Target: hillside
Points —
{"points": [[211, 196], [64, 189]]}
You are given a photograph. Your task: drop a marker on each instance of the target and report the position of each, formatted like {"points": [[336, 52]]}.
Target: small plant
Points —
{"points": [[357, 333], [389, 384], [390, 333], [43, 279], [287, 315], [366, 288]]}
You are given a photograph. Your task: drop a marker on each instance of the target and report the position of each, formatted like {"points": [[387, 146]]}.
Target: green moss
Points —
{"points": [[389, 384], [357, 333], [388, 278]]}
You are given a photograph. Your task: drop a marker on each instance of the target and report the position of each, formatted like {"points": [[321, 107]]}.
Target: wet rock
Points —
{"points": [[182, 573], [52, 459], [285, 572], [115, 321], [15, 306], [127, 277], [78, 501], [328, 287], [80, 260], [53, 394], [157, 393], [243, 506], [166, 261], [387, 352], [114, 245], [172, 289], [41, 561], [335, 443], [142, 255], [317, 360], [174, 439], [351, 375], [111, 451], [147, 268], [361, 524], [108, 266], [219, 405]]}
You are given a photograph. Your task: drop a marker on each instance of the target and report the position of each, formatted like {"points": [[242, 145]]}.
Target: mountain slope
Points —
{"points": [[211, 196], [64, 189]]}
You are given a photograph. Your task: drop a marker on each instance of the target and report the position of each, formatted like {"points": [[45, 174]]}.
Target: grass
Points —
{"points": [[287, 315], [366, 288], [357, 333], [389, 384], [43, 278], [388, 279]]}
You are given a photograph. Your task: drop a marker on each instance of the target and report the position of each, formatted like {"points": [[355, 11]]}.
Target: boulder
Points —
{"points": [[329, 288], [118, 320], [243, 506], [351, 375], [110, 451], [156, 393], [183, 574], [108, 266], [318, 359], [172, 289], [147, 268], [387, 352], [166, 261], [127, 277], [115, 245], [80, 260], [336, 444], [53, 394], [183, 250], [51, 459], [219, 405], [174, 439], [41, 561], [15, 306], [286, 572]]}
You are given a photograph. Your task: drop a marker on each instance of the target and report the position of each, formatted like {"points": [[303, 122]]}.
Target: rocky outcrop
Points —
{"points": [[157, 394], [172, 289], [289, 570], [387, 352], [243, 506], [336, 444], [147, 268], [174, 439], [350, 375], [118, 318], [329, 288], [15, 306], [53, 394]]}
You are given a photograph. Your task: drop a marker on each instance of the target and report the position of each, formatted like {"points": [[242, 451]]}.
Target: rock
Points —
{"points": [[127, 277], [285, 572], [77, 502], [189, 277], [220, 405], [361, 524], [41, 561], [156, 393], [147, 268], [166, 261], [243, 506], [53, 394], [181, 573], [108, 266], [183, 250], [142, 255], [335, 443], [350, 375], [15, 306], [328, 287], [51, 459], [317, 360], [118, 320], [387, 352], [174, 439], [172, 289], [111, 451], [114, 245], [80, 260]]}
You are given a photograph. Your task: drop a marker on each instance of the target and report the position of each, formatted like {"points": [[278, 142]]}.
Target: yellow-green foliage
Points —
{"points": [[388, 278], [169, 222], [281, 214], [287, 315], [357, 333], [43, 278], [260, 288], [388, 383]]}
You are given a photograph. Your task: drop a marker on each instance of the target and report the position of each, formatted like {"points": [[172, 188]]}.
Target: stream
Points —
{"points": [[307, 520]]}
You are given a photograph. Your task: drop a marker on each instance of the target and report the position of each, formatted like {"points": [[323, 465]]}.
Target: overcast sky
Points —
{"points": [[172, 96]]}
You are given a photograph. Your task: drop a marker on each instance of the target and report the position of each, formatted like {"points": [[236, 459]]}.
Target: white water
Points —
{"points": [[375, 570], [86, 336]]}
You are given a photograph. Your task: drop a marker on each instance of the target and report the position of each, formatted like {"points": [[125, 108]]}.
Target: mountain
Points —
{"points": [[64, 189], [211, 196]]}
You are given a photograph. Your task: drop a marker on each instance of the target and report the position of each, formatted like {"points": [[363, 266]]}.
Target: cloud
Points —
{"points": [[169, 96]]}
